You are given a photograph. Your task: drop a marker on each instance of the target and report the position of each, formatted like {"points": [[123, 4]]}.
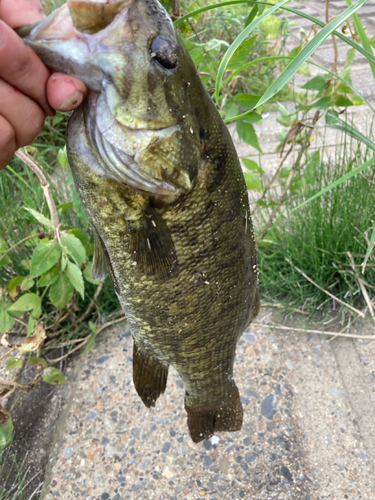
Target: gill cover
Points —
{"points": [[138, 117]]}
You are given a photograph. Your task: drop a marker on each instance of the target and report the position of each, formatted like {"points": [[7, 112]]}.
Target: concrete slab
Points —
{"points": [[306, 433]]}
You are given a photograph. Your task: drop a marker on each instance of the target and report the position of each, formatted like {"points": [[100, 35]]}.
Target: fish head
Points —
{"points": [[128, 52]]}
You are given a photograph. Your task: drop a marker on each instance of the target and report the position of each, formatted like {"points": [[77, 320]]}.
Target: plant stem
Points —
{"points": [[26, 158]]}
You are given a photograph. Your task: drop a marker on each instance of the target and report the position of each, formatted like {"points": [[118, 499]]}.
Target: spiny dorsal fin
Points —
{"points": [[151, 245], [149, 376]]}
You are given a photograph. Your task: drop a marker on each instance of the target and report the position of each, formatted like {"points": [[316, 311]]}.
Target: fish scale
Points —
{"points": [[171, 219]]}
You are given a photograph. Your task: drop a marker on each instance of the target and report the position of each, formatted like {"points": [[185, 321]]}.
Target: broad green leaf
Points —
{"points": [[32, 324], [61, 291], [284, 172], [53, 375], [197, 55], [27, 302], [49, 276], [344, 178], [64, 262], [75, 276], [3, 245], [323, 103], [81, 235], [42, 219], [14, 362], [252, 166], [343, 101], [46, 254], [357, 100], [231, 109], [62, 157], [6, 321], [247, 133], [19, 284], [6, 428], [37, 360], [34, 342], [74, 247], [87, 274], [252, 117], [242, 54], [316, 83], [4, 261], [91, 339], [252, 181], [65, 206], [237, 43], [247, 101], [306, 52]]}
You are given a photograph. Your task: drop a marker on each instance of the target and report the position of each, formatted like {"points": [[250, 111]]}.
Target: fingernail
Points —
{"points": [[72, 101]]}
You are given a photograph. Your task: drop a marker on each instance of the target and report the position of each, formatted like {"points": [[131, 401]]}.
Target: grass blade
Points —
{"points": [[213, 6], [274, 58], [334, 121], [344, 178], [349, 41], [368, 251], [306, 52], [238, 41], [362, 35]]}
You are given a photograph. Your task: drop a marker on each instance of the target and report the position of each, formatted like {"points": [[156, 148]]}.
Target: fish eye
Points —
{"points": [[164, 51]]}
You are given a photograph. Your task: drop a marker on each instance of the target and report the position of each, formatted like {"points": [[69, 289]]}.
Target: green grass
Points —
{"points": [[318, 237], [15, 479]]}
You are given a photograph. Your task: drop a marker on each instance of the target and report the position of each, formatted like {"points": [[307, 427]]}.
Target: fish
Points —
{"points": [[159, 178]]}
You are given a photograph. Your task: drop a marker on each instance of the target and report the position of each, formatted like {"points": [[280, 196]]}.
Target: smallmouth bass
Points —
{"points": [[159, 178]]}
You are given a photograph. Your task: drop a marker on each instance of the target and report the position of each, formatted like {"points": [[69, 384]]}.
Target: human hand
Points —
{"points": [[28, 91]]}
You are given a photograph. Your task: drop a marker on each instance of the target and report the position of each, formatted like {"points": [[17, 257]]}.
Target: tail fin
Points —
{"points": [[149, 376], [203, 421]]}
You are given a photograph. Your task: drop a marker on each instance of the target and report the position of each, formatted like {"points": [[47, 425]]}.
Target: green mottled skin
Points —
{"points": [[192, 319]]}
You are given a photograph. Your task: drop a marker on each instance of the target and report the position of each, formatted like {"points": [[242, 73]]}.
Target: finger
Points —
{"points": [[20, 12], [21, 67], [22, 113], [7, 142], [65, 92]]}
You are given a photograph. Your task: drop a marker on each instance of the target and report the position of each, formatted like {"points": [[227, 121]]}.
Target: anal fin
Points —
{"points": [[149, 376], [205, 420], [151, 245]]}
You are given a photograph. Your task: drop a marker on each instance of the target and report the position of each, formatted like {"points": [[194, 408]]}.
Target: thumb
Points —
{"points": [[20, 12]]}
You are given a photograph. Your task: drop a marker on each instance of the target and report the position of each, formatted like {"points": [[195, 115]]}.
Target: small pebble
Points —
{"points": [[286, 473], [68, 452], [166, 447], [207, 444], [207, 461], [267, 407]]}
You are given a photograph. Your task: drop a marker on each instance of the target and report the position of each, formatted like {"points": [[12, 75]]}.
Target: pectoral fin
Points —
{"points": [[101, 265], [149, 376], [151, 245]]}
